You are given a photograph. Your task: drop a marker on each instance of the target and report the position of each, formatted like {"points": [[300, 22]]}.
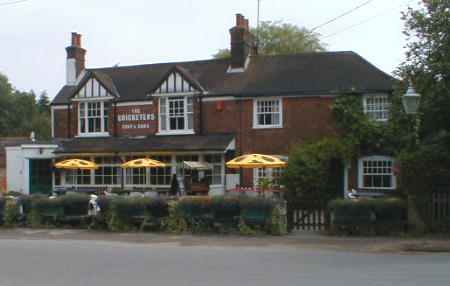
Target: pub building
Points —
{"points": [[196, 115]]}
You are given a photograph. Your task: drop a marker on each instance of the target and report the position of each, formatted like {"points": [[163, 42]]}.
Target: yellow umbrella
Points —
{"points": [[76, 164], [252, 161], [143, 163]]}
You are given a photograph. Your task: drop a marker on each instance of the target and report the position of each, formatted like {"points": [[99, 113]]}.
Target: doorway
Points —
{"points": [[40, 176]]}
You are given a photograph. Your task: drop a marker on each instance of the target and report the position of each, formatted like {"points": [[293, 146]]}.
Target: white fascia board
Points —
{"points": [[135, 103]]}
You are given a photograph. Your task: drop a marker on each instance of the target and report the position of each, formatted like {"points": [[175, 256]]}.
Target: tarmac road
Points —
{"points": [[49, 262]]}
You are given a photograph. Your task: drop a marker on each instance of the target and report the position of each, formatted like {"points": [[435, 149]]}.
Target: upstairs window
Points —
{"points": [[93, 118], [377, 107], [376, 172], [267, 113], [176, 114]]}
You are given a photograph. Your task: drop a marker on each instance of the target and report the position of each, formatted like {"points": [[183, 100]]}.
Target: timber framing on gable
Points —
{"points": [[92, 86], [177, 81]]}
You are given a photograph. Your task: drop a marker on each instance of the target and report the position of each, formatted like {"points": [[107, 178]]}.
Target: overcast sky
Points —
{"points": [[34, 33]]}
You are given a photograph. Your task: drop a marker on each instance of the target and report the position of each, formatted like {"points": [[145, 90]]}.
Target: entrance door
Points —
{"points": [[40, 176]]}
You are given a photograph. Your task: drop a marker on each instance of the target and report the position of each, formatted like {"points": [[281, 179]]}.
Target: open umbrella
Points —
{"points": [[143, 163], [76, 164], [254, 161]]}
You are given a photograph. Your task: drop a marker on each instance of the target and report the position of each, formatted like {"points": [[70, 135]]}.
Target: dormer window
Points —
{"points": [[176, 114], [93, 118], [93, 108], [377, 107], [176, 102]]}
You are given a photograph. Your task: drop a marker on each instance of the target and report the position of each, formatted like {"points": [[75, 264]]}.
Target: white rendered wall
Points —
{"points": [[14, 169]]}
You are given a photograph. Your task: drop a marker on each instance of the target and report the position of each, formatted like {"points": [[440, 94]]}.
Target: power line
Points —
{"points": [[364, 21], [12, 2], [342, 15]]}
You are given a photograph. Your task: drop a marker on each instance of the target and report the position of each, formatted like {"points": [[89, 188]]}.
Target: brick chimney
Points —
{"points": [[242, 43], [75, 59]]}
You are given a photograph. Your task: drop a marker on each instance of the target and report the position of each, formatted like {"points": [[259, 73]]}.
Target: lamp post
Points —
{"points": [[411, 102]]}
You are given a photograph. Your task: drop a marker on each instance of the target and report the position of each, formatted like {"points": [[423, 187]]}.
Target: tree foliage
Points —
{"points": [[282, 38], [427, 62], [20, 113]]}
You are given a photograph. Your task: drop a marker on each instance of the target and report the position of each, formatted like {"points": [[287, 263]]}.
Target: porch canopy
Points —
{"points": [[194, 165], [157, 144]]}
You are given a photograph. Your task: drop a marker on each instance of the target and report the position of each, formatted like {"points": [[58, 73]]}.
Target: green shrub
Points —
{"points": [[12, 214], [256, 211], [175, 222], [226, 213], [45, 211], [379, 216], [2, 209], [197, 211], [132, 213], [102, 217]]}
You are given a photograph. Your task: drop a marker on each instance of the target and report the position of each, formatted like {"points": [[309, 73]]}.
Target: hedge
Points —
{"points": [[219, 214], [364, 216]]}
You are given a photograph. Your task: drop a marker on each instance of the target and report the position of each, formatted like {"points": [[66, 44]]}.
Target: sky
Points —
{"points": [[34, 33]]}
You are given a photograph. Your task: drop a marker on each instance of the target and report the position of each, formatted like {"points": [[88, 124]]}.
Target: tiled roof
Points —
{"points": [[321, 73], [213, 142]]}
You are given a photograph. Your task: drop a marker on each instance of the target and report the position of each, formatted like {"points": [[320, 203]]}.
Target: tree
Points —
{"points": [[20, 113], [44, 103], [428, 62], [281, 38]]}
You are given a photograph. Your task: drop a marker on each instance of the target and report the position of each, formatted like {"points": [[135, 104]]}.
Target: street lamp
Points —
{"points": [[411, 100]]}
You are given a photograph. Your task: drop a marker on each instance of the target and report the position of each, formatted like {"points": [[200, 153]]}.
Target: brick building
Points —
{"points": [[209, 111]]}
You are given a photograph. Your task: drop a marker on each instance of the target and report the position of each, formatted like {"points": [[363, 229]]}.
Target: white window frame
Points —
{"points": [[256, 124], [215, 166], [107, 164], [85, 106], [361, 173], [371, 110], [166, 114], [259, 173]]}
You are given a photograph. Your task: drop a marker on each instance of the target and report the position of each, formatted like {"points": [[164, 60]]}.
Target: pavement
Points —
{"points": [[75, 257], [305, 240]]}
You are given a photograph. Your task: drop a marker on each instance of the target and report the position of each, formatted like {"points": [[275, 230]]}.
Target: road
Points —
{"points": [[82, 262]]}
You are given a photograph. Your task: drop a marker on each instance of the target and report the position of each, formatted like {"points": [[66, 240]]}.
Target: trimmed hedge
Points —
{"points": [[225, 214], [364, 216], [123, 213]]}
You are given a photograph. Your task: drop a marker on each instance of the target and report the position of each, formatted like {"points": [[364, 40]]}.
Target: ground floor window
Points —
{"points": [[78, 177], [272, 174], [161, 176], [109, 171], [376, 172], [214, 175]]}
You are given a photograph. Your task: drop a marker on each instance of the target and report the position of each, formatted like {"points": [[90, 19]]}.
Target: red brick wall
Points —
{"points": [[303, 119], [60, 121]]}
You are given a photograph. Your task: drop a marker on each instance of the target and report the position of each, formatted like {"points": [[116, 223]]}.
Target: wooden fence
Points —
{"points": [[440, 208], [307, 216]]}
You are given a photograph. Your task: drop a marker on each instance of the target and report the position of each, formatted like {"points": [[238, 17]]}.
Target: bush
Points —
{"points": [[45, 211], [132, 213], [12, 213], [256, 211], [379, 216], [2, 209], [197, 211]]}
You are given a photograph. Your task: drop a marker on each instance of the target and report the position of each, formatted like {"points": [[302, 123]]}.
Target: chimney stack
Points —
{"points": [[75, 59], [242, 43]]}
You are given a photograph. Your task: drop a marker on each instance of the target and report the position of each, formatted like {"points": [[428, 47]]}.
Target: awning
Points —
{"points": [[194, 165], [168, 143]]}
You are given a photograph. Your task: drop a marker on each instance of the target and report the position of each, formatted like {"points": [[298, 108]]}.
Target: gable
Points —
{"points": [[175, 83], [92, 88]]}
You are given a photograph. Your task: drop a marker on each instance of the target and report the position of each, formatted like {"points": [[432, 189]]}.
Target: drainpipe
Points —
{"points": [[69, 111], [200, 100]]}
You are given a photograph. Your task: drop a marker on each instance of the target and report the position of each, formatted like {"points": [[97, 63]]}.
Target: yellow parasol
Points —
{"points": [[76, 164], [253, 161], [143, 163]]}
